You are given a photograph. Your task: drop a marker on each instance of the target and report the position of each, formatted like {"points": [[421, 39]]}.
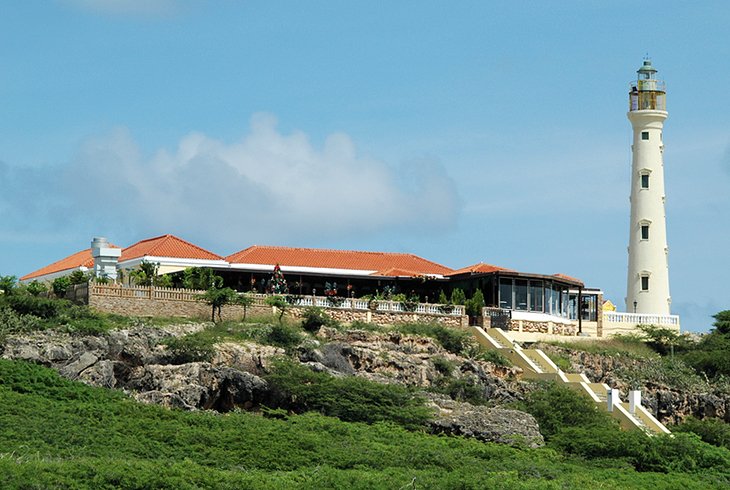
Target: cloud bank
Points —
{"points": [[267, 187]]}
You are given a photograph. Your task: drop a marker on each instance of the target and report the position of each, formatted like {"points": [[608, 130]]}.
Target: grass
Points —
{"points": [[55, 433], [623, 346]]}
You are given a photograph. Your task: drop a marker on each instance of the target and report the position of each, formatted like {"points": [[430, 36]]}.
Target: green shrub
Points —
{"points": [[475, 304], [443, 365], [453, 340], [464, 389], [35, 288], [190, 348], [557, 407], [350, 398], [314, 318], [8, 284], [458, 297], [284, 336], [60, 285], [361, 325], [713, 431], [493, 356]]}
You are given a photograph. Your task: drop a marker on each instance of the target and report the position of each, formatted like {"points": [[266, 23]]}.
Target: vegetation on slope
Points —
{"points": [[60, 434]]}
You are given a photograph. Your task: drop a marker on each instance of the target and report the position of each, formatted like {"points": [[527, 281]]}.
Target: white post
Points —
{"points": [[634, 400], [612, 399]]}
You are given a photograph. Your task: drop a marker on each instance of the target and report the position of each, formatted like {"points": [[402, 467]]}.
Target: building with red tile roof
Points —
{"points": [[351, 273], [345, 262]]}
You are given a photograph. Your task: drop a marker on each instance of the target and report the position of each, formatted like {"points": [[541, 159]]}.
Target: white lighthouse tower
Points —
{"points": [[647, 288]]}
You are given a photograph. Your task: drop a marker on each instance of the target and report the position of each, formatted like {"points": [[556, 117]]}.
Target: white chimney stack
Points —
{"points": [[105, 258]]}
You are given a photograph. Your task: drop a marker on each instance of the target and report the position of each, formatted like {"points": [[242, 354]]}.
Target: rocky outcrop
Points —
{"points": [[486, 424], [137, 361], [669, 393], [409, 360]]}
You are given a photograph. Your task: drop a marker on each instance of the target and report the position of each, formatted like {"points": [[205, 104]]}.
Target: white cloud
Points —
{"points": [[268, 187]]}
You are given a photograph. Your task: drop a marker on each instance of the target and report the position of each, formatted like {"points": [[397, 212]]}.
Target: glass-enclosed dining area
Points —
{"points": [[536, 295]]}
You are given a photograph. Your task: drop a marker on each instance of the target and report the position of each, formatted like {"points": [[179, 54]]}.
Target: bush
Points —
{"points": [[713, 431], [314, 318], [464, 389], [60, 285], [493, 356], [351, 399], [443, 365], [361, 325], [189, 348], [284, 336], [557, 408], [453, 340], [35, 288]]}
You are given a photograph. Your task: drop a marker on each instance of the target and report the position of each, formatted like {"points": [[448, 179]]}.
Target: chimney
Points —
{"points": [[105, 258]]}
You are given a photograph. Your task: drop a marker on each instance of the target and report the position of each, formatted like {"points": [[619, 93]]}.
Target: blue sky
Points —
{"points": [[459, 131]]}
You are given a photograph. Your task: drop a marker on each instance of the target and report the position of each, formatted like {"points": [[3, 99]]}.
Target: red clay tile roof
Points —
{"points": [[82, 258], [167, 246], [573, 279], [480, 268], [337, 259]]}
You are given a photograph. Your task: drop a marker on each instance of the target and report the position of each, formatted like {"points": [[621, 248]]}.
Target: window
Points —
{"points": [[521, 294], [645, 135], [644, 232], [505, 293], [644, 283], [644, 181], [536, 295]]}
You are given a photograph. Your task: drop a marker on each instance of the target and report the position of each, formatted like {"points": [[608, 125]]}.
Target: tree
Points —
{"points": [[278, 282], [36, 288], [78, 277], [245, 301], [60, 286], [662, 340], [458, 297], [280, 303], [217, 298], [722, 322], [475, 304], [442, 298], [147, 275], [8, 283], [201, 278]]}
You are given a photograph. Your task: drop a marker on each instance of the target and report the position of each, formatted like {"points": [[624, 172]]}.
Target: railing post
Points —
{"points": [[612, 398], [634, 400]]}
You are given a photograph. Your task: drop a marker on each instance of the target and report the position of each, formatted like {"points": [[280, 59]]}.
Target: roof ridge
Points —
{"points": [[284, 247]]}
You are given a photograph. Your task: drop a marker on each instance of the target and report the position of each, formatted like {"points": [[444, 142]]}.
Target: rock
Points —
{"points": [[74, 368], [196, 385], [246, 356], [486, 424]]}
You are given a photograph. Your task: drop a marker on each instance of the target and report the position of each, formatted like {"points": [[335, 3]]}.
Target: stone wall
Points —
{"points": [[552, 328], [156, 307]]}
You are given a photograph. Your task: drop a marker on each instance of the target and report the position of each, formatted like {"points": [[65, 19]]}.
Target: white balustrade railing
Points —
{"points": [[640, 318]]}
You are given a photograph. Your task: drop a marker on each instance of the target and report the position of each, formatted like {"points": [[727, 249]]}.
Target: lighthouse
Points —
{"points": [[647, 288]]}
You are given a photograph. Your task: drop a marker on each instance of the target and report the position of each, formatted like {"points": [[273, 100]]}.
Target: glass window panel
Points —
{"points": [[644, 232], [555, 307], [645, 135], [645, 181], [644, 283], [536, 295], [521, 294], [505, 293]]}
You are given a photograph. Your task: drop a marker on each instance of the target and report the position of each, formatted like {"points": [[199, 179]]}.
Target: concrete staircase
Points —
{"points": [[536, 365]]}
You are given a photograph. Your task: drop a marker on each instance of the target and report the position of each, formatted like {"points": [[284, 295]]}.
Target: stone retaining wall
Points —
{"points": [[155, 307]]}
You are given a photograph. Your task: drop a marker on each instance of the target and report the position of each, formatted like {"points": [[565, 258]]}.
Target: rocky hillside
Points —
{"points": [[671, 390], [139, 361]]}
